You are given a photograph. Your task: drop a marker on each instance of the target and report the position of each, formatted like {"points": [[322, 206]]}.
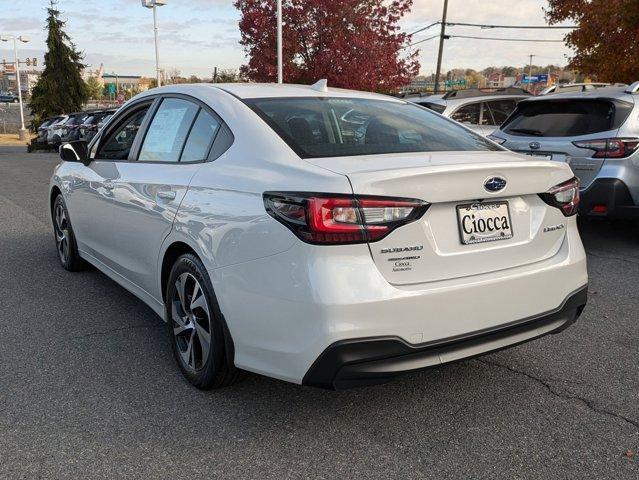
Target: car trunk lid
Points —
{"points": [[431, 248]]}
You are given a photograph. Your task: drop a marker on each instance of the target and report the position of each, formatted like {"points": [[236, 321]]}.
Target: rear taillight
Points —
{"points": [[564, 196], [610, 147], [341, 219]]}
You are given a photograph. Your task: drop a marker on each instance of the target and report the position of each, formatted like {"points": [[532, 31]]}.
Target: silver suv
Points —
{"points": [[483, 111], [595, 132]]}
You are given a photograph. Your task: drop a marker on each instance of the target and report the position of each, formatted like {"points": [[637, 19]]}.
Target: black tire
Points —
{"points": [[204, 370], [66, 245]]}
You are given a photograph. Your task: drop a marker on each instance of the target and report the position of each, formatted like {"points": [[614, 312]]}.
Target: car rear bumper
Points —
{"points": [[608, 197], [285, 310], [369, 361]]}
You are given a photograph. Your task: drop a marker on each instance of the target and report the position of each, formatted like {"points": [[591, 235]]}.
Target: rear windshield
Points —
{"points": [[335, 127], [76, 120], [565, 118]]}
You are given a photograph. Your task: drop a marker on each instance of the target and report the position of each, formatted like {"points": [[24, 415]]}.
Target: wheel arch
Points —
{"points": [[55, 191], [175, 249], [171, 254]]}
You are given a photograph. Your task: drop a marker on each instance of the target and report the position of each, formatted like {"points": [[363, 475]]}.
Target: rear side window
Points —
{"points": [[565, 118], [201, 137], [331, 127], [468, 114], [168, 131], [500, 110]]}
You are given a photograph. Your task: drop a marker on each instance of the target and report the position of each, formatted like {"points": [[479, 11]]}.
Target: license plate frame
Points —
{"points": [[500, 207]]}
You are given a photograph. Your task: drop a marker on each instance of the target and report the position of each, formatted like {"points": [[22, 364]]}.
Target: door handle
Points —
{"points": [[166, 194], [108, 185]]}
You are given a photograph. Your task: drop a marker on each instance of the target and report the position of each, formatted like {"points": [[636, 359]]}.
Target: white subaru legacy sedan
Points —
{"points": [[320, 236]]}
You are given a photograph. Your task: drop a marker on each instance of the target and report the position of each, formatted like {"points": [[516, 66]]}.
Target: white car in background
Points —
{"points": [[320, 236], [483, 111]]}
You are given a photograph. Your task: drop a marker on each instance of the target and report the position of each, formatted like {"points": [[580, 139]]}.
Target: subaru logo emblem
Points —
{"points": [[534, 145], [495, 184]]}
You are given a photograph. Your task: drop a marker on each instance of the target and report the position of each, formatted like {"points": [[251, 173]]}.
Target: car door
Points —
{"points": [[150, 187], [91, 199]]}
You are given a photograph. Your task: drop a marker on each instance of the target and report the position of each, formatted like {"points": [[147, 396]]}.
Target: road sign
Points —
{"points": [[120, 98], [542, 78], [111, 88]]}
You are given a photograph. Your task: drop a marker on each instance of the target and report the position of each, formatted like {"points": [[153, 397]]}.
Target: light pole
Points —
{"points": [[530, 73], [23, 39], [153, 4], [280, 69]]}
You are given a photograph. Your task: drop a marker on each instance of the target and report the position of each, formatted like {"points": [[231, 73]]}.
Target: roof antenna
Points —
{"points": [[320, 85]]}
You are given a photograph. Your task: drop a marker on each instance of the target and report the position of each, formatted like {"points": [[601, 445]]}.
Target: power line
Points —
{"points": [[486, 38], [421, 41], [424, 28], [489, 26], [536, 27], [506, 39]]}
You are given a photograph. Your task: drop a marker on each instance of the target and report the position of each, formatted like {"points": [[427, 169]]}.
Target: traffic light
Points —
{"points": [[28, 62], [35, 62]]}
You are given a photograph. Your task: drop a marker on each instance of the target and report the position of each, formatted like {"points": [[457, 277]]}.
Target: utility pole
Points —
{"points": [[280, 69], [442, 37], [530, 73], [214, 74]]}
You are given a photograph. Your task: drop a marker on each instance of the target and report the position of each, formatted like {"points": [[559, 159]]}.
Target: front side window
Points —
{"points": [[330, 127], [168, 131], [118, 144]]}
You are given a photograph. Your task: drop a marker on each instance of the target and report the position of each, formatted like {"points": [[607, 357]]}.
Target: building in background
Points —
{"points": [[28, 79], [117, 82]]}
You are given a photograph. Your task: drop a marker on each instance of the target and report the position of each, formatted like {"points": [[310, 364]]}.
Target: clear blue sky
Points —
{"points": [[197, 35]]}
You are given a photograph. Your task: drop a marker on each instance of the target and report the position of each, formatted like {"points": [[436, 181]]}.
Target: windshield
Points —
{"points": [[335, 127]]}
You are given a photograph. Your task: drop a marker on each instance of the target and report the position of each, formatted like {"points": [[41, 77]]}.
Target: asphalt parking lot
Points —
{"points": [[89, 389]]}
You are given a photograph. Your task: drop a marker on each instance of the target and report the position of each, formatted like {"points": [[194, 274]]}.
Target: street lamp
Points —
{"points": [[280, 73], [23, 39], [153, 4]]}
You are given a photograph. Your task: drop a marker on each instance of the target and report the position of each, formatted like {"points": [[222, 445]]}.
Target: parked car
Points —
{"points": [[9, 98], [93, 123], [54, 131], [70, 130], [577, 87], [43, 130], [325, 237], [481, 110], [596, 133]]}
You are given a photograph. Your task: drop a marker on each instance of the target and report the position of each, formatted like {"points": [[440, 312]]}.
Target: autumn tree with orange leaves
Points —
{"points": [[606, 42], [354, 44]]}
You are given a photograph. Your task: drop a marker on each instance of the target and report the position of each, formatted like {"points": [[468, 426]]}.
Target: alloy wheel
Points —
{"points": [[191, 322], [62, 232]]}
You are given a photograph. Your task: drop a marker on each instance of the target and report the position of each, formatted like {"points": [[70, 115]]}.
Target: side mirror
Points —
{"points": [[76, 151]]}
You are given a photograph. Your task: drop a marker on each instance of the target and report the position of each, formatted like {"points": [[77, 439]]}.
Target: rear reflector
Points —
{"points": [[327, 219], [599, 209]]}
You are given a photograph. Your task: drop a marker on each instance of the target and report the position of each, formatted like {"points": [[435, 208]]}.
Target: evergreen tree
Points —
{"points": [[60, 88]]}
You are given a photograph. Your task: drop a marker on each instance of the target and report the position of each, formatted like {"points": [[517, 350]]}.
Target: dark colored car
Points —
{"points": [[92, 124], [71, 128], [9, 98]]}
